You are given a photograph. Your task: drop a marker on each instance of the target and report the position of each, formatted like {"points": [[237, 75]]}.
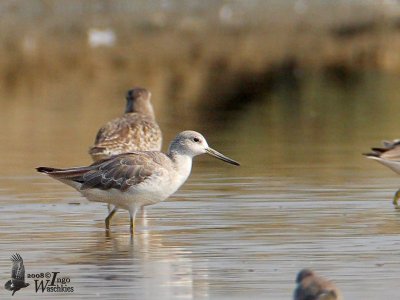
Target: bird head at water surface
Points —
{"points": [[313, 287]]}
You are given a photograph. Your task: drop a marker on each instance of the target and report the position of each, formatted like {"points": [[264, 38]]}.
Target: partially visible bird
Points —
{"points": [[313, 287], [389, 156], [17, 280], [136, 130], [139, 178]]}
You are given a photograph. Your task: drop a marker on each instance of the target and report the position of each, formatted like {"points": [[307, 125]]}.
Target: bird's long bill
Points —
{"points": [[220, 156]]}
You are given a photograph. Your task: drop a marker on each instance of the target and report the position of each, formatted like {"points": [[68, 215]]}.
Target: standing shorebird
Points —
{"points": [[17, 280], [136, 130], [389, 156], [139, 178], [313, 287]]}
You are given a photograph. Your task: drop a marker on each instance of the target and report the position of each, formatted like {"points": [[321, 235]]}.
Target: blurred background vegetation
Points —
{"points": [[317, 71], [194, 52]]}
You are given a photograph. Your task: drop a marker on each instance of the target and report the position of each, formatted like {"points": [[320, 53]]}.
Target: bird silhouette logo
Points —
{"points": [[17, 280]]}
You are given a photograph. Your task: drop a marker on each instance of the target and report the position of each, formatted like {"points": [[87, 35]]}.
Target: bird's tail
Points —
{"points": [[47, 170], [393, 165], [70, 173]]}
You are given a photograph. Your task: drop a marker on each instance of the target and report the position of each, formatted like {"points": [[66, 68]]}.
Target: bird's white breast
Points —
{"points": [[156, 188]]}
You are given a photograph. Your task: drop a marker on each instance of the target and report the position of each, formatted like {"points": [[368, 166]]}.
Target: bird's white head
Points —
{"points": [[192, 143]]}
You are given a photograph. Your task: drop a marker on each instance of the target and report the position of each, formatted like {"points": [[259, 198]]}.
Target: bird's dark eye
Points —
{"points": [[196, 140]]}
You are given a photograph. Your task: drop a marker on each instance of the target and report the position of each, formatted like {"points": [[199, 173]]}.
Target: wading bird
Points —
{"points": [[136, 179], [389, 156], [136, 130], [313, 287]]}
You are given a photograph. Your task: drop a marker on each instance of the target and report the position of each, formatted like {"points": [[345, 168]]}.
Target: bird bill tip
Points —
{"points": [[222, 157]]}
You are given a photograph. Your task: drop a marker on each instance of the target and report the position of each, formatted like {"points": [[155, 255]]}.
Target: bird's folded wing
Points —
{"points": [[112, 130], [118, 172], [389, 151]]}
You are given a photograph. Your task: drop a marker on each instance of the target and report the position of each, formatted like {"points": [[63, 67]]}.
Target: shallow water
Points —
{"points": [[303, 197]]}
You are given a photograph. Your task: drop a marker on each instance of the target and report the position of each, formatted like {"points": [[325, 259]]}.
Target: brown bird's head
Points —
{"points": [[303, 274], [138, 100]]}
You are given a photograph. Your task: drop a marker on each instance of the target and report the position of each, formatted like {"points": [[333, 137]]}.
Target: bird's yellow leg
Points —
{"points": [[132, 214], [132, 226], [396, 199]]}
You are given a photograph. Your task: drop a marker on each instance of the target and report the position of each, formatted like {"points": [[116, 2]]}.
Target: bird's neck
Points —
{"points": [[182, 163], [144, 109]]}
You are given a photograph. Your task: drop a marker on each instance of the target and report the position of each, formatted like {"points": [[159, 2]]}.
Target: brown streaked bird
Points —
{"points": [[139, 178], [136, 130], [313, 287], [389, 156]]}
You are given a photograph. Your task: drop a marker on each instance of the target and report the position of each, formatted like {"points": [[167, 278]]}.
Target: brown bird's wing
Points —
{"points": [[112, 130], [18, 268], [316, 288], [119, 172], [328, 295], [131, 132]]}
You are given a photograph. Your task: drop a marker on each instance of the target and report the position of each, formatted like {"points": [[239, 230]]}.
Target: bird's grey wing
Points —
{"points": [[122, 171], [18, 268], [392, 152], [389, 151]]}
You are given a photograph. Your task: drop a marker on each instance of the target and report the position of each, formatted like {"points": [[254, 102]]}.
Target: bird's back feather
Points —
{"points": [[118, 172]]}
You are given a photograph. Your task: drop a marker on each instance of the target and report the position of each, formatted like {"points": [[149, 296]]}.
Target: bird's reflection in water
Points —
{"points": [[117, 261]]}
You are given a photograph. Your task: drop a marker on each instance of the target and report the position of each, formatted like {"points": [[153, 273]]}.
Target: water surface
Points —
{"points": [[303, 197]]}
